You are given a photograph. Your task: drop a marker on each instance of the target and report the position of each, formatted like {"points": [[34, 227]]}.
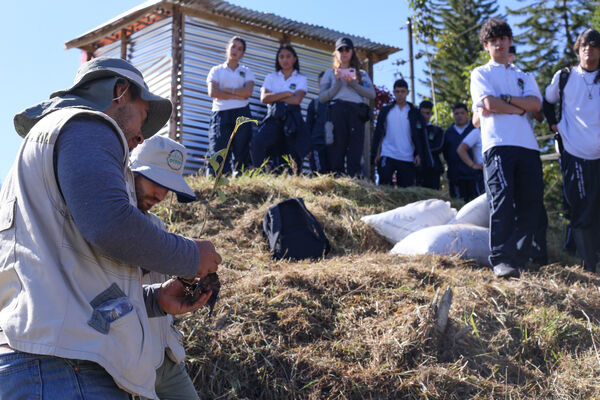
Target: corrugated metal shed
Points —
{"points": [[175, 43]]}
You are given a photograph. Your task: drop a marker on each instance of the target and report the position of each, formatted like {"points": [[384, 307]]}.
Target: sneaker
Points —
{"points": [[505, 270]]}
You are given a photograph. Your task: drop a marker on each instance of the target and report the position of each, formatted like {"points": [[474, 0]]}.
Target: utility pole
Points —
{"points": [[411, 61]]}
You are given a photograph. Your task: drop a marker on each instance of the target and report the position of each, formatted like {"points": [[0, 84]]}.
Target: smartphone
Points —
{"points": [[347, 73]]}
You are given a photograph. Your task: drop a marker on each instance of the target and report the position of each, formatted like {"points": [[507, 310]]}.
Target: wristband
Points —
{"points": [[506, 97]]}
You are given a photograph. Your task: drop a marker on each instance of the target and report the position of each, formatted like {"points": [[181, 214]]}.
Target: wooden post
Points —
{"points": [[124, 44], [369, 127], [176, 73]]}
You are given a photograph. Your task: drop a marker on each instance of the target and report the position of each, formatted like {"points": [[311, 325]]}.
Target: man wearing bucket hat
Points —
{"points": [[73, 311], [157, 166]]}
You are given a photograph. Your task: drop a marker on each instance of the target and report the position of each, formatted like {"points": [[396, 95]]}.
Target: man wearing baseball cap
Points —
{"points": [[73, 311], [157, 166]]}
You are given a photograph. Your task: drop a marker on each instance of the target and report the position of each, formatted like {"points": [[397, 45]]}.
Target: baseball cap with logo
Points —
{"points": [[161, 160], [344, 41]]}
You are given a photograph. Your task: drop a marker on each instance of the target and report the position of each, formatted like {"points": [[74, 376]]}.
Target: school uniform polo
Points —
{"points": [[397, 142], [579, 128], [579, 125], [494, 79], [275, 82], [512, 169], [473, 140], [227, 78]]}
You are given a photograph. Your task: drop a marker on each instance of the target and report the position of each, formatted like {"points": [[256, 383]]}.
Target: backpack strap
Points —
{"points": [[272, 225], [549, 109]]}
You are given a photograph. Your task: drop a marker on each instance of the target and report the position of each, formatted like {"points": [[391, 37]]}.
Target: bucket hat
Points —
{"points": [[105, 67], [162, 160]]}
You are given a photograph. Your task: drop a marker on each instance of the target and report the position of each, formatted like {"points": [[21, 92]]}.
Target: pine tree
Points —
{"points": [[450, 29], [548, 33]]}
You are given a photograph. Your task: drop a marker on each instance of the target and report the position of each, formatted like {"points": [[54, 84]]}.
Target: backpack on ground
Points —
{"points": [[293, 232]]}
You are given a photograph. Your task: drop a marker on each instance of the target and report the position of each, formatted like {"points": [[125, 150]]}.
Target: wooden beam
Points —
{"points": [[176, 73], [124, 44]]}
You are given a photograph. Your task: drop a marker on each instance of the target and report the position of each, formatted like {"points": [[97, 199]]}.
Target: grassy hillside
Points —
{"points": [[360, 323]]}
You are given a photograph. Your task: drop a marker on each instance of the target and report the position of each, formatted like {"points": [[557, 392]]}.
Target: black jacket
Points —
{"points": [[418, 134], [287, 118]]}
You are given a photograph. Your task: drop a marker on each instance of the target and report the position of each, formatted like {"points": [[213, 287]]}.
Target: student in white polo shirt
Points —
{"points": [[230, 85], [283, 130], [579, 130], [473, 142], [513, 169]]}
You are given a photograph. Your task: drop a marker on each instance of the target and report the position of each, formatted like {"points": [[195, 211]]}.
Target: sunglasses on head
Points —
{"points": [[344, 49]]}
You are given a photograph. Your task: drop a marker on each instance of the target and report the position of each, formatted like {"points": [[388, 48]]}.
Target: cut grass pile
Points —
{"points": [[359, 324]]}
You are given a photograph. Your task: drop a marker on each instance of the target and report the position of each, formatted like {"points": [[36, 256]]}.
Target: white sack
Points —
{"points": [[400, 222], [467, 241], [476, 212]]}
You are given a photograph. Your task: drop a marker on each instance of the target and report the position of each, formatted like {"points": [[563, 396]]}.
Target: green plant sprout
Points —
{"points": [[217, 166]]}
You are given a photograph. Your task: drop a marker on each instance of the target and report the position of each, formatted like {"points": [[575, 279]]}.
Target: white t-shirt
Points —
{"points": [[227, 78], [275, 82], [493, 79], [397, 142], [473, 140], [579, 126]]}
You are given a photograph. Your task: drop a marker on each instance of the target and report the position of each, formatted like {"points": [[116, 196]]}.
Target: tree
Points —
{"points": [[450, 28], [548, 32]]}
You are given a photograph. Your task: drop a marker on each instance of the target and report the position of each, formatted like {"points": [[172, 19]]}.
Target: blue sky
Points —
{"points": [[35, 62]]}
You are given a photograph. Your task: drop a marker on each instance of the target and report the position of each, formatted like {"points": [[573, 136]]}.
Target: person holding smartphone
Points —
{"points": [[345, 88], [230, 85], [283, 130]]}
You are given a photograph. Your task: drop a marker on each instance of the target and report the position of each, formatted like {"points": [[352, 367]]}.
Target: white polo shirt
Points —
{"points": [[397, 142], [473, 140], [227, 78], [579, 125], [493, 79], [275, 82]]}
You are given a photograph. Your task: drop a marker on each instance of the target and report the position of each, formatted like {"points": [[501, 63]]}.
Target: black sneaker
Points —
{"points": [[505, 270]]}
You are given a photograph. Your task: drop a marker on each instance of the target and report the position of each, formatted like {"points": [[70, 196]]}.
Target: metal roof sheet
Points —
{"points": [[154, 10]]}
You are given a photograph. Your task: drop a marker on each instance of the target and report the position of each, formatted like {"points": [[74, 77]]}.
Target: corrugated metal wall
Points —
{"points": [[204, 46]]}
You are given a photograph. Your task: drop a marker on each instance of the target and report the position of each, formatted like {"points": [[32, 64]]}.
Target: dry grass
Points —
{"points": [[359, 325]]}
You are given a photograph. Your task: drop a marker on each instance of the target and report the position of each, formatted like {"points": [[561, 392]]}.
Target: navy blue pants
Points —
{"points": [[406, 172], [465, 189], [271, 142], [581, 190], [219, 131], [429, 178], [318, 161], [348, 138], [515, 190]]}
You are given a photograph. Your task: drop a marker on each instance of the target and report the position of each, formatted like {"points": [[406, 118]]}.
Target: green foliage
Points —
{"points": [[217, 166], [451, 29], [596, 17], [442, 115], [548, 32]]}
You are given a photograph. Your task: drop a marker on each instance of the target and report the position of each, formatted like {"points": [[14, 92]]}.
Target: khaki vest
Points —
{"points": [[166, 336], [54, 284]]}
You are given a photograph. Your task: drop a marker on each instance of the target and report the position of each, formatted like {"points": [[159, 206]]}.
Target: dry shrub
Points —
{"points": [[359, 324]]}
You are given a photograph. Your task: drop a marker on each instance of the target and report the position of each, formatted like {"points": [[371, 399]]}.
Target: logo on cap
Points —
{"points": [[175, 160]]}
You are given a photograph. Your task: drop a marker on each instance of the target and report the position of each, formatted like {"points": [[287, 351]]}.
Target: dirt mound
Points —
{"points": [[359, 324]]}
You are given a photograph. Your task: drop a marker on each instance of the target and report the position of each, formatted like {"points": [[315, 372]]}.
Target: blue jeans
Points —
{"points": [[32, 376]]}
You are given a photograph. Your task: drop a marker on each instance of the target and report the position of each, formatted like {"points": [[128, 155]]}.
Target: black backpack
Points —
{"points": [[293, 232], [550, 112]]}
